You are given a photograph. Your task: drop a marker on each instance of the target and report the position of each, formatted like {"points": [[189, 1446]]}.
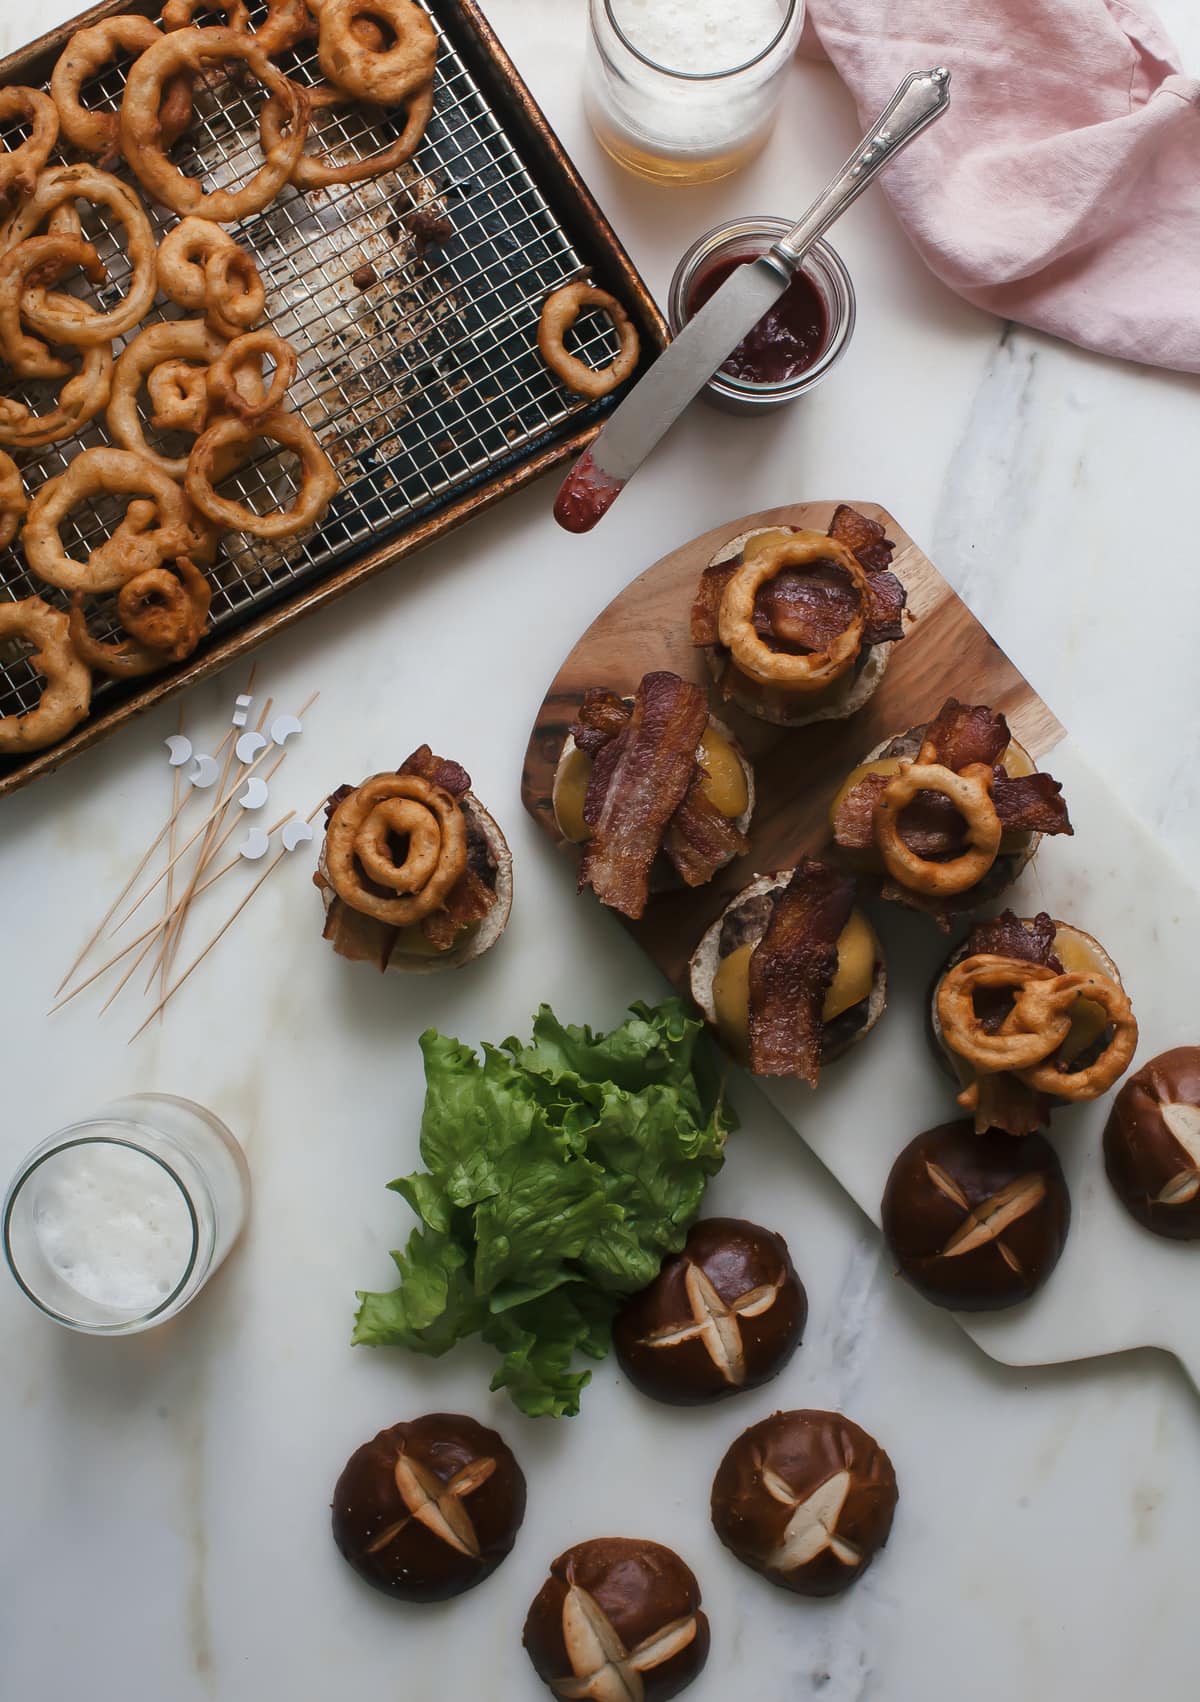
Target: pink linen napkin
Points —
{"points": [[1062, 189]]}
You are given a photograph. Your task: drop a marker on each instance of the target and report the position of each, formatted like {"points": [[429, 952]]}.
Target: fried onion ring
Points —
{"points": [[19, 166], [40, 261], [62, 319], [286, 22], [1097, 1077], [86, 53], [817, 669], [136, 543], [178, 392], [319, 480], [81, 398], [68, 691], [172, 340], [971, 794], [12, 499], [235, 377], [315, 173], [1036, 1026], [163, 613], [361, 828], [193, 50], [202, 268], [378, 74], [560, 310]]}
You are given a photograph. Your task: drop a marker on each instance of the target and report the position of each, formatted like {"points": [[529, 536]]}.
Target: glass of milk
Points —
{"points": [[685, 91], [114, 1224]]}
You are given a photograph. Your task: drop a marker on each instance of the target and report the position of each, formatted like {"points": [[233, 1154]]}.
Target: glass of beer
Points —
{"points": [[114, 1224], [686, 91]]}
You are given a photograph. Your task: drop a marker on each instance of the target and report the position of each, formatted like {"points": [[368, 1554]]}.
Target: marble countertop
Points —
{"points": [[165, 1530]]}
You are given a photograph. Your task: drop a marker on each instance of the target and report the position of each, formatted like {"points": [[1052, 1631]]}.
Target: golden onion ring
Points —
{"points": [[380, 74], [62, 319], [235, 377], [19, 166], [68, 691], [163, 613], [135, 545], [38, 261], [560, 310], [358, 847], [319, 480], [817, 669], [316, 173], [188, 340], [87, 52], [193, 50], [13, 502], [971, 794]]}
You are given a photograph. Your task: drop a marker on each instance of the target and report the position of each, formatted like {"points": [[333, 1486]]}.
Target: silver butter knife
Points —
{"points": [[658, 399]]}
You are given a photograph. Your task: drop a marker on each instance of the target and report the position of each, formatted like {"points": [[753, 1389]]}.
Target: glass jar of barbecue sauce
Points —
{"points": [[795, 344]]}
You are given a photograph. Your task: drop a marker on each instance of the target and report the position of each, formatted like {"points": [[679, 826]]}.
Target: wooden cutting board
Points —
{"points": [[1116, 1287]]}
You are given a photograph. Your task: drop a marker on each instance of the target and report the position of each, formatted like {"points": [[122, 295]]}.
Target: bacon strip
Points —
{"points": [[854, 824], [962, 734], [602, 715], [707, 605], [805, 609], [468, 900], [699, 839], [1006, 1103], [450, 776], [361, 939], [792, 968], [1031, 803], [652, 765], [1007, 936], [865, 537], [887, 600]]}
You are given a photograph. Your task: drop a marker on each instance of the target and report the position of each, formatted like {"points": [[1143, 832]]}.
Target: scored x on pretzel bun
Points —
{"points": [[744, 921]]}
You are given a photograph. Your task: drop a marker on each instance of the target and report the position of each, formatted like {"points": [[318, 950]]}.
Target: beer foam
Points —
{"points": [[699, 35]]}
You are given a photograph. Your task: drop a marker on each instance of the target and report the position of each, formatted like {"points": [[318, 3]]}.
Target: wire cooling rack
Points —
{"points": [[418, 365]]}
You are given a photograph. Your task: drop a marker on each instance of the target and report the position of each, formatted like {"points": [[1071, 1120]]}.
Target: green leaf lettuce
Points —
{"points": [[558, 1176]]}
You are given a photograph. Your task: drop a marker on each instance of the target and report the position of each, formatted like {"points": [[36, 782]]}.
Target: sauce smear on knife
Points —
{"points": [[587, 493]]}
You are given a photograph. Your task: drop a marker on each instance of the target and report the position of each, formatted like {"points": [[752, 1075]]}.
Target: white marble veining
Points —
{"points": [[165, 1530]]}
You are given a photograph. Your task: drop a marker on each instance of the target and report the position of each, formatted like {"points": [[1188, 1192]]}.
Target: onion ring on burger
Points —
{"points": [[970, 791], [812, 670], [19, 166], [63, 319], [38, 261], [559, 312], [315, 173], [87, 52], [193, 50], [380, 75], [235, 378], [136, 543], [162, 611], [13, 502], [359, 839], [187, 340], [68, 691], [319, 480]]}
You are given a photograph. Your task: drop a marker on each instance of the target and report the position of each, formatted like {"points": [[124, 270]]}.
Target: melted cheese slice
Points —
{"points": [[724, 784], [858, 953]]}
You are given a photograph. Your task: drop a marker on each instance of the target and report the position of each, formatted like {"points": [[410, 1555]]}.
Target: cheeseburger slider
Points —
{"points": [[792, 973], [797, 626], [654, 789]]}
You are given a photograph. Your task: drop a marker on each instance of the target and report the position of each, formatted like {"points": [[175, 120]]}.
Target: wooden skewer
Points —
{"points": [[170, 942], [199, 959], [127, 888], [203, 828], [203, 887], [156, 928], [169, 895], [232, 793]]}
